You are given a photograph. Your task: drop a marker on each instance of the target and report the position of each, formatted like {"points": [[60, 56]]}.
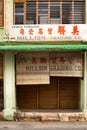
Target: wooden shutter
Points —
{"points": [[69, 93], [27, 97], [1, 12], [48, 95], [32, 68], [19, 1], [1, 66], [1, 95]]}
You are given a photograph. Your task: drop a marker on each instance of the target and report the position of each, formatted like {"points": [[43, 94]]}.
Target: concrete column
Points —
{"points": [[85, 82], [83, 90], [9, 85]]}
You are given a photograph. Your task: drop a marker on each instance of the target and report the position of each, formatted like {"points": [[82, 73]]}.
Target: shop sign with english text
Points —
{"points": [[48, 32]]}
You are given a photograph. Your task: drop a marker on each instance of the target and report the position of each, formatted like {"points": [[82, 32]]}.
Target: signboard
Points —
{"points": [[32, 68], [48, 32], [37, 67], [66, 64]]}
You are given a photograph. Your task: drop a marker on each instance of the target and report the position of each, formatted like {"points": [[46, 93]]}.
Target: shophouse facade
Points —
{"points": [[43, 55]]}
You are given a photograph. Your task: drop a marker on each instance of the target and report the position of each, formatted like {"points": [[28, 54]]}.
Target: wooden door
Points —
{"points": [[69, 93], [27, 97], [61, 93], [48, 95]]}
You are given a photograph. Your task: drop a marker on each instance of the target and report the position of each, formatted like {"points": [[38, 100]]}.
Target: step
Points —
{"points": [[46, 116]]}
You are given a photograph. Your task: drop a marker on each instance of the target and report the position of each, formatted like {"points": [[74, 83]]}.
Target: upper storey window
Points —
{"points": [[49, 12], [19, 13], [1, 13]]}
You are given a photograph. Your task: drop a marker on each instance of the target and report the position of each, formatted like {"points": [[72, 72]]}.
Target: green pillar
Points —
{"points": [[85, 82], [9, 85]]}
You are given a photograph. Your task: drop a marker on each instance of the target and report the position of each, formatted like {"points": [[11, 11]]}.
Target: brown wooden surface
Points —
{"points": [[1, 12], [19, 1], [1, 66], [1, 95], [48, 95], [60, 93], [1, 83], [27, 96], [69, 93]]}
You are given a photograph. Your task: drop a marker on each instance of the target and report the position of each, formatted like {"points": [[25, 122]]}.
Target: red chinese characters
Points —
{"points": [[40, 31], [75, 30], [54, 60], [71, 60], [34, 60], [62, 60], [50, 31], [43, 60], [79, 60], [58, 30], [61, 30], [21, 31], [21, 60], [31, 31]]}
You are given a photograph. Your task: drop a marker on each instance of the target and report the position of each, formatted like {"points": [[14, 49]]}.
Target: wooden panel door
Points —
{"points": [[27, 97], [69, 93], [48, 95]]}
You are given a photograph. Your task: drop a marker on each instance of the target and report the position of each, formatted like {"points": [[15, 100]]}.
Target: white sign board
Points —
{"points": [[48, 32]]}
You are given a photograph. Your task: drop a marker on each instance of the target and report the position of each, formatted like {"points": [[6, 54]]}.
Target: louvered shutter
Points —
{"points": [[1, 66]]}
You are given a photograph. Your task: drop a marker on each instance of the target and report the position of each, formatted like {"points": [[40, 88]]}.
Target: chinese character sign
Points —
{"points": [[48, 32], [32, 68], [33, 62], [53, 63], [66, 64]]}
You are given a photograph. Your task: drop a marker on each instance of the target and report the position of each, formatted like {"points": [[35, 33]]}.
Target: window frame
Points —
{"points": [[18, 13], [61, 16], [2, 13]]}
